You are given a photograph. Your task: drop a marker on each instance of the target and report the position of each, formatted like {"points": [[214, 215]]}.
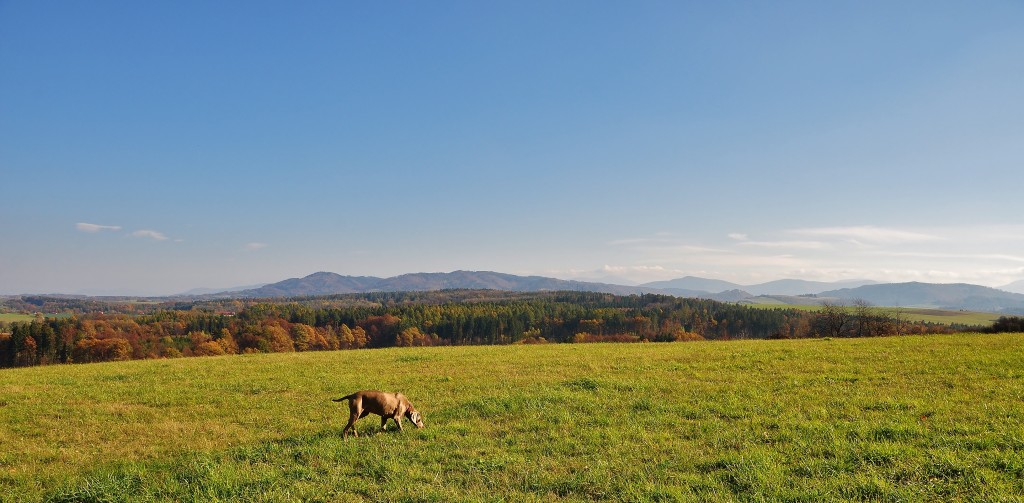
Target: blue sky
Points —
{"points": [[154, 147]]}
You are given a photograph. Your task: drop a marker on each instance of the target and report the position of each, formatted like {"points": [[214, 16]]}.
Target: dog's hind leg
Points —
{"points": [[355, 415], [351, 426]]}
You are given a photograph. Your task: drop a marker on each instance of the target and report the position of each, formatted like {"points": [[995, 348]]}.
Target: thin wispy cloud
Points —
{"points": [[656, 240], [142, 233], [826, 253], [255, 246], [987, 236], [150, 234], [618, 269], [981, 257], [87, 227], [799, 245], [867, 234], [663, 243], [625, 274]]}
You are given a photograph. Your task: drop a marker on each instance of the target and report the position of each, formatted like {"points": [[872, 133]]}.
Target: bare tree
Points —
{"points": [[834, 319], [899, 321], [863, 316]]}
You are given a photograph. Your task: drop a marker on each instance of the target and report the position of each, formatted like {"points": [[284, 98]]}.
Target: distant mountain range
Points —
{"points": [[1015, 287], [779, 287], [207, 291], [327, 283], [939, 296]]}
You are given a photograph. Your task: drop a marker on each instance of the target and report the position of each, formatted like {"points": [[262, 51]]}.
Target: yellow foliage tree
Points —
{"points": [[359, 337], [227, 342], [278, 339], [208, 348], [326, 338], [345, 338], [304, 336]]}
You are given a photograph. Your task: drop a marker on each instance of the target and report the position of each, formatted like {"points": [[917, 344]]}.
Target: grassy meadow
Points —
{"points": [[13, 317], [907, 314], [21, 317], [943, 316], [903, 418]]}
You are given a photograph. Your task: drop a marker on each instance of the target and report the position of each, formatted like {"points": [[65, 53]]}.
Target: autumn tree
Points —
{"points": [[327, 338], [404, 338], [25, 353], [304, 336], [412, 336], [345, 338], [278, 339], [116, 350], [198, 337], [359, 337], [227, 342], [208, 348], [381, 330], [684, 336], [102, 350]]}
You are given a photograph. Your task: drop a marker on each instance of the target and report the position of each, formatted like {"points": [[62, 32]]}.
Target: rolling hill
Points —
{"points": [[778, 287], [319, 283], [941, 296], [695, 284], [327, 283], [1015, 287]]}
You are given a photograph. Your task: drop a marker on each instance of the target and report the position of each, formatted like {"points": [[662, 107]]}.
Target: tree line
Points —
{"points": [[460, 317]]}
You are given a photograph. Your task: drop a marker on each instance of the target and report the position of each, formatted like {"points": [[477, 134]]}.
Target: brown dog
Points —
{"points": [[385, 405]]}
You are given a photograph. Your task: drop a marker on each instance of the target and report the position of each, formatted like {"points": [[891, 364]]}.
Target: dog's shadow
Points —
{"points": [[371, 431]]}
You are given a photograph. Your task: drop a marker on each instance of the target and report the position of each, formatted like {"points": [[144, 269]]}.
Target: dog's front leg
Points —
{"points": [[383, 423]]}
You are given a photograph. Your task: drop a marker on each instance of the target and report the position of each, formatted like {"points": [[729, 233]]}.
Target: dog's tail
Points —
{"points": [[342, 399]]}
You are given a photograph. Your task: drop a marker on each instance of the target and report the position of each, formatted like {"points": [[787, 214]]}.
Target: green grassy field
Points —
{"points": [[909, 314], [907, 418], [12, 317]]}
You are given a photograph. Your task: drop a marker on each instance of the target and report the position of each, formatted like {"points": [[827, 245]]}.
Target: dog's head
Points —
{"points": [[415, 417]]}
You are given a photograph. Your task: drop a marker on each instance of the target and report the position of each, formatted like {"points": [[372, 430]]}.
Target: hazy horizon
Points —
{"points": [[1017, 288], [151, 149]]}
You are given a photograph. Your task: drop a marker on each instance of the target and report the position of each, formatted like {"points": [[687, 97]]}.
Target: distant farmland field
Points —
{"points": [[933, 418], [909, 314], [12, 317]]}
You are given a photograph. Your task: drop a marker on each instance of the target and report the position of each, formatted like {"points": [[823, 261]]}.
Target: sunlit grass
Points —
{"points": [[13, 317], [908, 418], [907, 314]]}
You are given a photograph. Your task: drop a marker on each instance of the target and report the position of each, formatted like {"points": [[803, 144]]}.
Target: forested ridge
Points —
{"points": [[106, 331]]}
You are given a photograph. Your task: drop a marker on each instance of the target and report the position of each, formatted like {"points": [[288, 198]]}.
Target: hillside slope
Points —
{"points": [[942, 296]]}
